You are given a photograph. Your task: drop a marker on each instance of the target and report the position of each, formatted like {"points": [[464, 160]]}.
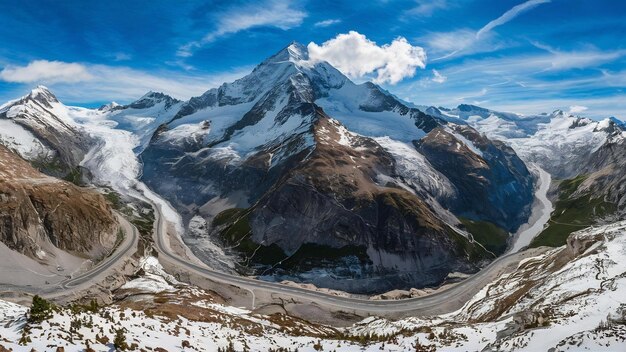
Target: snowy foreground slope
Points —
{"points": [[571, 298]]}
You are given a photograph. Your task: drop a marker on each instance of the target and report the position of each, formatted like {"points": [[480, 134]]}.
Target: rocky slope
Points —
{"points": [[39, 213], [299, 148], [353, 220], [487, 174]]}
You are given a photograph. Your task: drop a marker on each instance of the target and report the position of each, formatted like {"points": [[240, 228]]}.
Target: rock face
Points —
{"points": [[306, 176], [493, 183], [606, 172], [38, 211], [384, 234]]}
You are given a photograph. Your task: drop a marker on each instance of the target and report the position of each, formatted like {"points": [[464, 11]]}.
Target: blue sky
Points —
{"points": [[525, 56]]}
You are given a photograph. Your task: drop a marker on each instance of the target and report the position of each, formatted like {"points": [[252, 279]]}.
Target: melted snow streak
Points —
{"points": [[568, 299]]}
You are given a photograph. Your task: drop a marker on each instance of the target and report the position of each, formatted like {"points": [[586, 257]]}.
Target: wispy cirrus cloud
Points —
{"points": [[438, 77], [469, 41], [531, 83], [121, 56], [424, 8], [327, 23], [269, 13], [357, 56], [510, 15]]}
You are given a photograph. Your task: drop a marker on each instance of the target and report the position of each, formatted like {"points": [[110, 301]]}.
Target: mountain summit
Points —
{"points": [[295, 160], [47, 133]]}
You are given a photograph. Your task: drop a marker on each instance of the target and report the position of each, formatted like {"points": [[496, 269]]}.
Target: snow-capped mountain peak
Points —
{"points": [[43, 91], [42, 95], [559, 113], [110, 106], [538, 138], [294, 52], [151, 99]]}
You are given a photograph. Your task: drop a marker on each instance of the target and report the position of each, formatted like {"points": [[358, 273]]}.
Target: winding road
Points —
{"points": [[124, 249], [441, 302], [85, 279]]}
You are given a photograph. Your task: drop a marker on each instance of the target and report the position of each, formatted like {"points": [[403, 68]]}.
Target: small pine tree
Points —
{"points": [[229, 348], [40, 310], [120, 340], [318, 346], [93, 306]]}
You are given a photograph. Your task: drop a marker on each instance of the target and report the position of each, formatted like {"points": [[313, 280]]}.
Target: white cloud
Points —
{"points": [[271, 13], [577, 109], [426, 8], [356, 56], [44, 71], [438, 77], [509, 15], [327, 23], [97, 83]]}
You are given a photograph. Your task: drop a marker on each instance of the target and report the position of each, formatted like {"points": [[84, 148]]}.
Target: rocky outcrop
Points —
{"points": [[605, 173], [38, 211], [493, 182]]}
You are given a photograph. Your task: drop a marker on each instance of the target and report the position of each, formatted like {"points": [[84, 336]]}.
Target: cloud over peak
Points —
{"points": [[357, 56], [577, 109]]}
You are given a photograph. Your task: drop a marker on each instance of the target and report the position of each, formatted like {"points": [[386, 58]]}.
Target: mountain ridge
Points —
{"points": [[296, 131], [239, 141]]}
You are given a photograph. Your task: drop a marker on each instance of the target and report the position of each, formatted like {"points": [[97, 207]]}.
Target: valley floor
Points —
{"points": [[571, 298], [540, 213]]}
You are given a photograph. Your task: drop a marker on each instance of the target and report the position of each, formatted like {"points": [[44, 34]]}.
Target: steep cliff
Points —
{"points": [[39, 211]]}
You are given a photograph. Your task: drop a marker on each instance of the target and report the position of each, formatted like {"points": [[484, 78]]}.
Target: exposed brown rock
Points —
{"points": [[36, 209], [335, 199]]}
